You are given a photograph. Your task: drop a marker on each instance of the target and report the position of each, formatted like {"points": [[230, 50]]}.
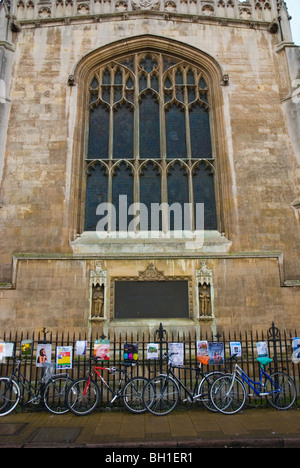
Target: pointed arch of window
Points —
{"points": [[149, 141]]}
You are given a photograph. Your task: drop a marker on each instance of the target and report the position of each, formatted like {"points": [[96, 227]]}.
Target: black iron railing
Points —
{"points": [[279, 344]]}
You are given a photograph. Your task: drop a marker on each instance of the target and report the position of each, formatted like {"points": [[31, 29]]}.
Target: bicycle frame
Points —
{"points": [[29, 389], [114, 393], [252, 383], [35, 393], [191, 395]]}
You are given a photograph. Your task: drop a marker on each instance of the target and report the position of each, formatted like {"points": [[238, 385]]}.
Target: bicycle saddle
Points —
{"points": [[128, 364], [203, 359], [264, 361]]}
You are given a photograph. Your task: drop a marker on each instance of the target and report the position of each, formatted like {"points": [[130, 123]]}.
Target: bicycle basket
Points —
{"points": [[48, 371]]}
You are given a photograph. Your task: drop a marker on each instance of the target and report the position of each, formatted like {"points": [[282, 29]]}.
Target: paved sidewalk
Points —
{"points": [[183, 428]]}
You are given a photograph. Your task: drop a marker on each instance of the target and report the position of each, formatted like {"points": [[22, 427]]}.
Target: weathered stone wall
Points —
{"points": [[54, 293], [39, 193]]}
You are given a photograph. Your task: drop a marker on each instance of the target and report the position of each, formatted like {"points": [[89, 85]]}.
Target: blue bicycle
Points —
{"points": [[228, 393]]}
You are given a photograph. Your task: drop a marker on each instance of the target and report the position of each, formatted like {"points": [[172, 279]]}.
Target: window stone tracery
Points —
{"points": [[149, 128]]}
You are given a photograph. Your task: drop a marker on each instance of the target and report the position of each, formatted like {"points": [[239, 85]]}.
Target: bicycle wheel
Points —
{"points": [[133, 395], [282, 391], [228, 397], [161, 395], [83, 396], [9, 395], [204, 389], [55, 394]]}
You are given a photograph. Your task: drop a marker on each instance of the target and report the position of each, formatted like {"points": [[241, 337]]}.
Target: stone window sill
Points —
{"points": [[119, 243]]}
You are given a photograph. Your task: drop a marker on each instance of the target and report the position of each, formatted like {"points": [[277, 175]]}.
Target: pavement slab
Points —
{"points": [[183, 428]]}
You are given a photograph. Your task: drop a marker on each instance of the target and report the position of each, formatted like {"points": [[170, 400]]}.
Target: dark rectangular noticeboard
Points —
{"points": [[151, 299]]}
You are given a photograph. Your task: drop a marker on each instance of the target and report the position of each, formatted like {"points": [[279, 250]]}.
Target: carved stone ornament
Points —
{"points": [[98, 276], [71, 80], [98, 279], [204, 275], [145, 4], [204, 292], [151, 274]]}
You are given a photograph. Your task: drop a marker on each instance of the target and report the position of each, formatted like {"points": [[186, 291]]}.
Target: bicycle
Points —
{"points": [[51, 390], [162, 393], [84, 394], [228, 393]]}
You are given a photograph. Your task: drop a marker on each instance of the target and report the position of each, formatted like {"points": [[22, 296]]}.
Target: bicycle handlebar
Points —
{"points": [[231, 358]]}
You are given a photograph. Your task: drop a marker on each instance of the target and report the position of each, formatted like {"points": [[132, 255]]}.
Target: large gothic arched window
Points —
{"points": [[149, 146]]}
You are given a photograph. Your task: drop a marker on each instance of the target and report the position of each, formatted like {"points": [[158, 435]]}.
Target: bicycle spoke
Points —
{"points": [[133, 395], [55, 395], [82, 397], [228, 396], [161, 395], [9, 395], [282, 390]]}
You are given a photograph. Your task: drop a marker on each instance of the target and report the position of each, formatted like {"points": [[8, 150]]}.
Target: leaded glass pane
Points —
{"points": [[200, 132], [98, 133], [143, 82], [123, 132], [150, 193], [96, 194], [203, 183], [148, 63], [122, 196], [106, 77], [175, 132], [178, 195], [155, 82], [149, 127]]}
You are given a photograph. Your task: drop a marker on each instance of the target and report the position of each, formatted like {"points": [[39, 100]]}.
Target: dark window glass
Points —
{"points": [[175, 132], [200, 132], [122, 186], [98, 133], [123, 132], [150, 193], [96, 193], [149, 127], [178, 195], [203, 183]]}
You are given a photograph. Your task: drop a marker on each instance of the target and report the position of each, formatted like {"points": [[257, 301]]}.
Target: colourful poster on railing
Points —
{"points": [[26, 348], [176, 353], [101, 349], [216, 352], [296, 350], [64, 357], [235, 348], [202, 348], [131, 352], [81, 347], [262, 349], [43, 354], [152, 351]]}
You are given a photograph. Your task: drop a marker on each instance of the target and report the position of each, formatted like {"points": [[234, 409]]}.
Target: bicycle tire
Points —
{"points": [[226, 397], [204, 389], [133, 395], [161, 395], [55, 394], [9, 395], [82, 400], [284, 399]]}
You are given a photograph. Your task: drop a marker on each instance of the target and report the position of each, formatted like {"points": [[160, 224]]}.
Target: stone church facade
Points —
{"points": [[113, 108]]}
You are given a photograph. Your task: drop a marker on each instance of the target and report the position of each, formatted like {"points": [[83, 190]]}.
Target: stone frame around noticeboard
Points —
{"points": [[151, 274]]}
